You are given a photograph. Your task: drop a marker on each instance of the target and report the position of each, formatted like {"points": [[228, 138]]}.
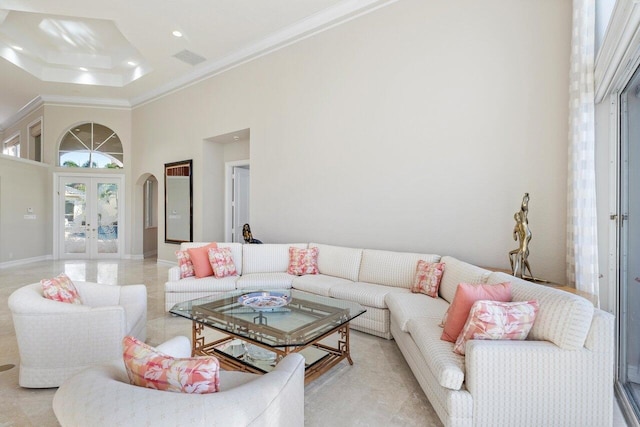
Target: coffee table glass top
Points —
{"points": [[261, 316]]}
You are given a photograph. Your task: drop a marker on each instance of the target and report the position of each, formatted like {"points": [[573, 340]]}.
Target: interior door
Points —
{"points": [[90, 217], [240, 204]]}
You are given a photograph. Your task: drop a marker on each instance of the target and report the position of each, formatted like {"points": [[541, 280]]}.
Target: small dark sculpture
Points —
{"points": [[248, 237]]}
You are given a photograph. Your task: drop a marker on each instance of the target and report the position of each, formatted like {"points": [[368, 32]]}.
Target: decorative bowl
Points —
{"points": [[264, 301]]}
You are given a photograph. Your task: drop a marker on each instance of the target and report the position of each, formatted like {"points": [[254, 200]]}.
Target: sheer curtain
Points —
{"points": [[582, 242]]}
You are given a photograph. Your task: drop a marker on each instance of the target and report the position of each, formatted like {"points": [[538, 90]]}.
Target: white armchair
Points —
{"points": [[102, 396], [56, 339]]}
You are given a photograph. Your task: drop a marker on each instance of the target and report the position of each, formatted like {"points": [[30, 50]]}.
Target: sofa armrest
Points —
{"points": [[538, 383], [173, 274]]}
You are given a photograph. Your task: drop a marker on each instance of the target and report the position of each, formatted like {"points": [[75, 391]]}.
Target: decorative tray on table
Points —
{"points": [[264, 301]]}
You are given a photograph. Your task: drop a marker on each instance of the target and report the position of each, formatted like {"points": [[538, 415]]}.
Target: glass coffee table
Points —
{"points": [[255, 329]]}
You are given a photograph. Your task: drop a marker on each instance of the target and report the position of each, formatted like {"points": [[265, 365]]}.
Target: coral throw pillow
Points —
{"points": [[185, 264], [60, 288], [147, 367], [466, 295], [200, 260], [303, 261], [221, 262], [427, 278], [492, 320]]}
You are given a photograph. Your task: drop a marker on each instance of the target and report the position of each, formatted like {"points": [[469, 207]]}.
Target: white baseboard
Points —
{"points": [[23, 261], [151, 254], [165, 262]]}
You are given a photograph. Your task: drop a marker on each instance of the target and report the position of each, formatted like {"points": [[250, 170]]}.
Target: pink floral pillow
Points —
{"points": [[222, 262], [303, 261], [493, 320], [427, 278], [147, 367], [185, 264], [61, 289]]}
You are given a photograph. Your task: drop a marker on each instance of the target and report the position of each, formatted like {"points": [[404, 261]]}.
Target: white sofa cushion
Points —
{"points": [[563, 318], [445, 365], [406, 306], [318, 284], [236, 252], [338, 261], [265, 281], [391, 268], [368, 294], [210, 283], [456, 272], [267, 258]]}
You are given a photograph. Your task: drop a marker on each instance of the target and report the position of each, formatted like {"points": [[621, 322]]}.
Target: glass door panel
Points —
{"points": [[107, 218], [629, 250], [75, 210]]}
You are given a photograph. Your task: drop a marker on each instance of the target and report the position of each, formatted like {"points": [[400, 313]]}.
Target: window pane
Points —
{"points": [[91, 145]]}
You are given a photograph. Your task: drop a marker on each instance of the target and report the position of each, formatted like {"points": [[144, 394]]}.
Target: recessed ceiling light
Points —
{"points": [[131, 63], [17, 48], [83, 69], [177, 33]]}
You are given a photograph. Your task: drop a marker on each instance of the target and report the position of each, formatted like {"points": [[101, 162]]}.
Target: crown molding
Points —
{"points": [[85, 101], [314, 24], [76, 101]]}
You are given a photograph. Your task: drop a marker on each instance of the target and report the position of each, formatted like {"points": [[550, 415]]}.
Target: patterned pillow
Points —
{"points": [[185, 264], [61, 289], [147, 367], [427, 278], [493, 320], [222, 262], [200, 260], [466, 294], [303, 261]]}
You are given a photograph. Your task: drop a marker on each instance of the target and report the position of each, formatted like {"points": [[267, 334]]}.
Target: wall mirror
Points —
{"points": [[178, 202]]}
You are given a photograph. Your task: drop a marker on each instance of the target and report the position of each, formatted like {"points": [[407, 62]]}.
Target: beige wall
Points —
{"points": [[417, 127], [24, 184]]}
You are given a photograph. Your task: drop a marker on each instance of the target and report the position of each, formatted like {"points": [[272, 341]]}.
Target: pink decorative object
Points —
{"points": [[492, 320], [427, 278], [466, 295], [185, 264], [222, 262], [200, 260], [61, 289], [147, 367], [303, 261]]}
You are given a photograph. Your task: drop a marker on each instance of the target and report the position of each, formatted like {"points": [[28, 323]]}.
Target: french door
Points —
{"points": [[89, 216], [628, 378]]}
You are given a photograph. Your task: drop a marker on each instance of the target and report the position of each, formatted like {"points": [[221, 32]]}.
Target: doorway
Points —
{"points": [[238, 188], [628, 223], [89, 216]]}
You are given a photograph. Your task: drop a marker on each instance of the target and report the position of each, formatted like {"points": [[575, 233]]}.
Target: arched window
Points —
{"points": [[91, 145]]}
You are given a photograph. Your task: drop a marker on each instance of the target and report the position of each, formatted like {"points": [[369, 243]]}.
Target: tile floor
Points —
{"points": [[355, 395]]}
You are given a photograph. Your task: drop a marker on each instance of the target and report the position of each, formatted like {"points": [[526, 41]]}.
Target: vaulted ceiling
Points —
{"points": [[124, 52]]}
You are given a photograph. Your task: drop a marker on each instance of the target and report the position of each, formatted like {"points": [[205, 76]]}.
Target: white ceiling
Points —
{"points": [[121, 52]]}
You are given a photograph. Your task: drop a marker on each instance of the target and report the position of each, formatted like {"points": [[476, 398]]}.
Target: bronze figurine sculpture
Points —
{"points": [[521, 232]]}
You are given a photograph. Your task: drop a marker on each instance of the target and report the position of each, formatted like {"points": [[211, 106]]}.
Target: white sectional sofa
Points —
{"points": [[561, 375]]}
